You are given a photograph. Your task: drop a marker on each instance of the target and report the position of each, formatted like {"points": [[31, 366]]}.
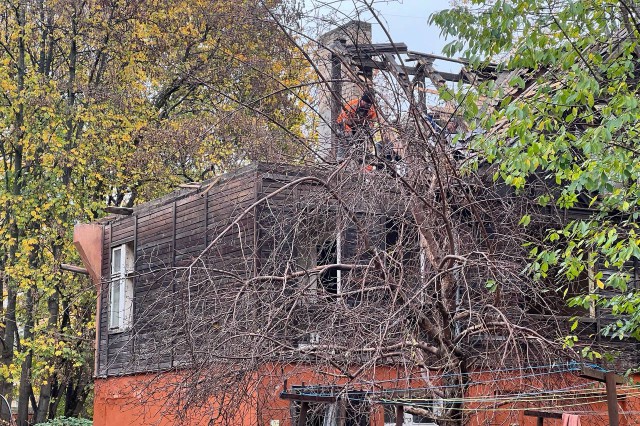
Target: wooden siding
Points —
{"points": [[168, 234]]}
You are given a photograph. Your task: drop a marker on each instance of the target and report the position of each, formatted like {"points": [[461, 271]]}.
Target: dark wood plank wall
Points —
{"points": [[103, 330], [118, 345], [152, 290], [168, 236], [226, 203], [173, 232], [274, 224], [230, 251]]}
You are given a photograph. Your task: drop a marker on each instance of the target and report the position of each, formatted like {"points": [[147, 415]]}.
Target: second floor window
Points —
{"points": [[121, 288]]}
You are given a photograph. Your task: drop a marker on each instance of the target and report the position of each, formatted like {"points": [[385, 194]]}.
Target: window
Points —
{"points": [[409, 419], [319, 253], [121, 288], [309, 340], [327, 254]]}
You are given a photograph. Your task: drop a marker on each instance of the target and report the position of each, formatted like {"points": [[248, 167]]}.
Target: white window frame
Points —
{"points": [[121, 288]]}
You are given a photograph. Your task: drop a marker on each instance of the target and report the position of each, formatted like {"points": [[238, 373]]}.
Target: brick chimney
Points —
{"points": [[342, 85]]}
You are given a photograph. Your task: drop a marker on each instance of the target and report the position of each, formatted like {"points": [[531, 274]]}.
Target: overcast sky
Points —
{"points": [[406, 21]]}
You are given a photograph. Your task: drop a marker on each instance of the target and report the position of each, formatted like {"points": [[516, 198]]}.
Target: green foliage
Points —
{"points": [[569, 114], [67, 421]]}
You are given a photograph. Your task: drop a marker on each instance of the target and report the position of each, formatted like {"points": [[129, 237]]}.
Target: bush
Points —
{"points": [[67, 421]]}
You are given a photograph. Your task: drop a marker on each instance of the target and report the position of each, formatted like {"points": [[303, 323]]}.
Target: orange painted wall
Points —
{"points": [[87, 238], [132, 400], [144, 400]]}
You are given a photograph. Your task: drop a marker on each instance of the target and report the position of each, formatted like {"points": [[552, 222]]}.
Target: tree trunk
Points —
{"points": [[6, 387], [25, 374], [46, 390]]}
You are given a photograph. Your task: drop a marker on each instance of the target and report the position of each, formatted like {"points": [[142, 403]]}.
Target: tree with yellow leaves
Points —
{"points": [[116, 99]]}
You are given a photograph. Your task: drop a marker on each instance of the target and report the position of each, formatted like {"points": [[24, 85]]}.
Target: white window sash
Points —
{"points": [[120, 315], [114, 311], [122, 300]]}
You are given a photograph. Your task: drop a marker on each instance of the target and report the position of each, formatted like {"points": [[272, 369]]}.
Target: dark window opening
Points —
{"points": [[392, 234], [328, 255]]}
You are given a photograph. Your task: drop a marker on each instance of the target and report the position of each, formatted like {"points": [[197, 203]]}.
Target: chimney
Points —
{"points": [[341, 84]]}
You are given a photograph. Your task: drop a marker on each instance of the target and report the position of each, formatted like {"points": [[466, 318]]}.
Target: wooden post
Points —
{"points": [[336, 98], [541, 415], [304, 407], [399, 415], [342, 412], [610, 379], [612, 398], [73, 268]]}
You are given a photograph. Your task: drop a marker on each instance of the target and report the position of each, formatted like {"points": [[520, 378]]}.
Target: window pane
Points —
{"points": [[328, 254], [114, 304], [116, 261], [129, 259]]}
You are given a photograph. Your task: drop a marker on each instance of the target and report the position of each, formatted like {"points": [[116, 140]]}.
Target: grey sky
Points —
{"points": [[406, 21]]}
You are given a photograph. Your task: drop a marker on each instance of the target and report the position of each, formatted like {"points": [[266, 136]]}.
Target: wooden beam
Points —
{"points": [[364, 62], [599, 375], [543, 414], [73, 268], [449, 76], [124, 211], [413, 54], [400, 74], [306, 398], [611, 379], [336, 103], [377, 48], [342, 413]]}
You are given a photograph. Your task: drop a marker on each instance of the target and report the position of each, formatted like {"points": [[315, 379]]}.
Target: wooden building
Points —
{"points": [[155, 308]]}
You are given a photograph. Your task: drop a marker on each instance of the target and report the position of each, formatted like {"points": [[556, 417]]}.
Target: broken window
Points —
{"points": [[327, 254], [401, 246], [315, 255]]}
